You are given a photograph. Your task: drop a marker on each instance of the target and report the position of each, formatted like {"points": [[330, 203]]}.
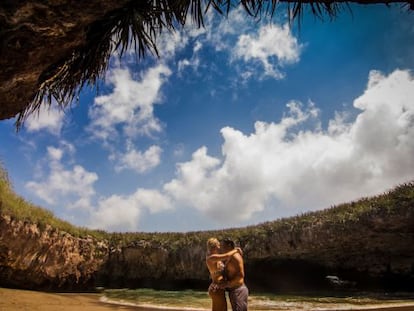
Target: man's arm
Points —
{"points": [[225, 256]]}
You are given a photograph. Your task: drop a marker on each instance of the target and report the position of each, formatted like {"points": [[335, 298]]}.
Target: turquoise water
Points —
{"points": [[199, 300]]}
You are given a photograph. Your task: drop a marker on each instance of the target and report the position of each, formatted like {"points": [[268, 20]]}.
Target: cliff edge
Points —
{"points": [[362, 245]]}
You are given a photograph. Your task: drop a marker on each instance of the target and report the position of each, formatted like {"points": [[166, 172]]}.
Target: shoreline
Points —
{"points": [[15, 299]]}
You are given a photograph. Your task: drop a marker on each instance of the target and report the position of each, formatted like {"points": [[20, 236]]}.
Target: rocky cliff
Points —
{"points": [[367, 244], [36, 36], [47, 258]]}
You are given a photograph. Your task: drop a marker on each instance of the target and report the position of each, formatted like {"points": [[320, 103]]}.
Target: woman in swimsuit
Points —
{"points": [[215, 265]]}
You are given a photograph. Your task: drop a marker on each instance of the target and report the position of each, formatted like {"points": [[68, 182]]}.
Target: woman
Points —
{"points": [[215, 265]]}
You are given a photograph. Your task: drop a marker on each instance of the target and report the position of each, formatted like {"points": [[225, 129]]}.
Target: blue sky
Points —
{"points": [[237, 123]]}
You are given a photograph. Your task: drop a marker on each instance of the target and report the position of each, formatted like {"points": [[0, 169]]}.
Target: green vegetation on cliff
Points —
{"points": [[368, 242], [18, 208], [333, 219]]}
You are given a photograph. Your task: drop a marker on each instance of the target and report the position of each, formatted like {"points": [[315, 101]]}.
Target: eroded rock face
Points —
{"points": [[371, 251], [35, 35], [149, 264], [46, 258], [32, 257]]}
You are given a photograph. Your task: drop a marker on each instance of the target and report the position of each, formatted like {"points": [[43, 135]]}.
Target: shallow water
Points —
{"points": [[199, 300]]}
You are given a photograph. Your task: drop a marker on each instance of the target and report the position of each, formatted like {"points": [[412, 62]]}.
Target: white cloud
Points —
{"points": [[74, 186], [153, 200], [170, 42], [182, 64], [116, 213], [194, 62], [47, 118], [130, 105], [122, 213], [137, 160], [262, 42], [385, 129], [308, 169], [194, 182], [221, 32], [55, 154], [271, 41], [197, 46]]}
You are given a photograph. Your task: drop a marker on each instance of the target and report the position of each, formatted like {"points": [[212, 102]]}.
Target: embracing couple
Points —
{"points": [[225, 263]]}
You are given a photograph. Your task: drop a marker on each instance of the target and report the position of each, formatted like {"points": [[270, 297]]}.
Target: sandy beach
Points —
{"points": [[13, 300]]}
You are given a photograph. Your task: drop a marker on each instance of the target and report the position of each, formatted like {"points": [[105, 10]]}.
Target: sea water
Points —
{"points": [[199, 300]]}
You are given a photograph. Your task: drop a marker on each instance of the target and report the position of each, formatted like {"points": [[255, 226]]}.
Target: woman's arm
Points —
{"points": [[220, 257]]}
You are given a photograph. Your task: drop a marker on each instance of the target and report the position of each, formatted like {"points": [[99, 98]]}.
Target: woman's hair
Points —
{"points": [[212, 243]]}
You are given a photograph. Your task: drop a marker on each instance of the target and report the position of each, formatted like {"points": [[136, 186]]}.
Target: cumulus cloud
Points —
{"points": [[116, 213], [274, 46], [122, 213], [194, 180], [137, 160], [170, 42], [74, 185], [47, 118], [222, 32], [130, 105], [285, 165], [248, 43], [193, 62], [128, 113], [306, 168]]}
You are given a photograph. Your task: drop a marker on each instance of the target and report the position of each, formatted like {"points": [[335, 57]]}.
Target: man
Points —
{"points": [[234, 273]]}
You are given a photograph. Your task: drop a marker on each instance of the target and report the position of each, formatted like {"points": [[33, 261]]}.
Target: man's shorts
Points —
{"points": [[238, 298]]}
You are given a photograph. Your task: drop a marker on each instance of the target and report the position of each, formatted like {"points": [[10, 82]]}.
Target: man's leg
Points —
{"points": [[238, 298]]}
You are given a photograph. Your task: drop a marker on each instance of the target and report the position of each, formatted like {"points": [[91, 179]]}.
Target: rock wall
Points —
{"points": [[150, 264], [375, 253], [34, 257], [46, 258], [34, 35], [372, 250]]}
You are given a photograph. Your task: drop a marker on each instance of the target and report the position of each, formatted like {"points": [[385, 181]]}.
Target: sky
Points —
{"points": [[234, 124]]}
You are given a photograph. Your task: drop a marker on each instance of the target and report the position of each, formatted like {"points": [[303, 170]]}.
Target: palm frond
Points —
{"points": [[137, 25]]}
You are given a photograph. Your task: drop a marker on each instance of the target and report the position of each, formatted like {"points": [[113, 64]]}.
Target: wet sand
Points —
{"points": [[13, 300]]}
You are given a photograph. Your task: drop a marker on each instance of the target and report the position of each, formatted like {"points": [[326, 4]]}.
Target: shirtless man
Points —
{"points": [[234, 272]]}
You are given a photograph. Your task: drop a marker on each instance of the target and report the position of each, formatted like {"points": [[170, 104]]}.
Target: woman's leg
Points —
{"points": [[218, 297]]}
